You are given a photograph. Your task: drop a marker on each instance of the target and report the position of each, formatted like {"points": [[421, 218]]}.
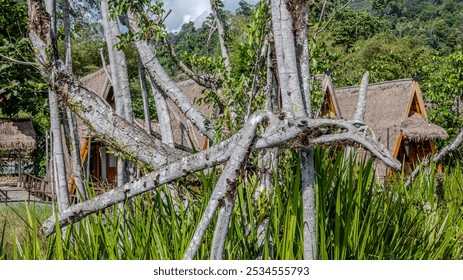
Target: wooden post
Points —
{"points": [[387, 146], [46, 152], [88, 158], [103, 164], [19, 164]]}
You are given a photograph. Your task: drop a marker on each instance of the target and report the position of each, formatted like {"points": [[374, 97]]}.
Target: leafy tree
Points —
{"points": [[385, 56], [351, 26], [18, 84], [443, 89], [23, 93]]}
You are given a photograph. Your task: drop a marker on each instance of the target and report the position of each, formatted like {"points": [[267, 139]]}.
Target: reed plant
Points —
{"points": [[358, 217]]}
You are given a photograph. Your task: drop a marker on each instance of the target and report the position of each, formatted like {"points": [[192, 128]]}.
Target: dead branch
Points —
{"points": [[360, 110], [443, 153], [278, 133], [27, 63]]}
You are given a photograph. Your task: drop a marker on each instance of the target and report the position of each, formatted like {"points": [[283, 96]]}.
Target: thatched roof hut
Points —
{"points": [[100, 84], [182, 129], [417, 128], [17, 134], [396, 113], [185, 134]]}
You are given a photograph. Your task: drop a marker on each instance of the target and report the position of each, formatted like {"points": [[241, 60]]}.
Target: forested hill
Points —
{"points": [[438, 22], [391, 39]]}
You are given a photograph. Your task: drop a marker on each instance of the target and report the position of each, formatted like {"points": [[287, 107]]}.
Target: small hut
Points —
{"points": [[101, 165], [17, 142], [396, 113]]}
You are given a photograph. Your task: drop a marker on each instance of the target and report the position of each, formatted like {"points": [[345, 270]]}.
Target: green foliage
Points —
{"points": [[357, 218], [87, 40], [149, 22], [443, 87], [352, 26], [18, 83], [23, 93], [386, 56]]}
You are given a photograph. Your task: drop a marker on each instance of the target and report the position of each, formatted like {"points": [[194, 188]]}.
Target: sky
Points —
{"points": [[184, 11]]}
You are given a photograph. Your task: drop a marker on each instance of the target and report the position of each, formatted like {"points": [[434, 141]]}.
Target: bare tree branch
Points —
{"points": [[27, 63], [104, 67], [190, 73], [295, 132], [220, 30], [360, 110], [443, 153], [319, 30]]}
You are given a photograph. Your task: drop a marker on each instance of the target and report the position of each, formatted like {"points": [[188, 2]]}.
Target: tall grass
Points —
{"points": [[357, 218], [360, 219]]}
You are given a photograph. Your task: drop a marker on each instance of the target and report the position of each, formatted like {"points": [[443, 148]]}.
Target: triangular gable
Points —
{"points": [[415, 103], [331, 105]]}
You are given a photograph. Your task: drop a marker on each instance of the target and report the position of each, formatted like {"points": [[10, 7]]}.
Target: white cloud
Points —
{"points": [[184, 11]]}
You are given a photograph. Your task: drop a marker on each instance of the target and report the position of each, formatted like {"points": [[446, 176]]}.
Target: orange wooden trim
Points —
{"points": [[205, 144], [84, 150], [72, 186], [433, 152], [419, 96], [397, 145], [433, 147], [330, 92]]}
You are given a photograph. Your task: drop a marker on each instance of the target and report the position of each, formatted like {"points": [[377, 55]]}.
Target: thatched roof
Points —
{"points": [[385, 107], [182, 129], [17, 135], [389, 113], [98, 82], [416, 128]]}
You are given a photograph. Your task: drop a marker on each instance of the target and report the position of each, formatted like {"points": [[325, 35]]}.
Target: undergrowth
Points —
{"points": [[357, 218]]}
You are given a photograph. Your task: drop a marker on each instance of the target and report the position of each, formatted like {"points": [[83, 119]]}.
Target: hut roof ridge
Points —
{"points": [[378, 84]]}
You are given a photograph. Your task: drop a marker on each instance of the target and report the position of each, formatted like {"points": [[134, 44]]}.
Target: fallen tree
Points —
{"points": [[292, 128]]}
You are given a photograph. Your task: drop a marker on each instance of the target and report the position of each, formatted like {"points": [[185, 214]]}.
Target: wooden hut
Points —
{"points": [[17, 141], [101, 165], [396, 113]]}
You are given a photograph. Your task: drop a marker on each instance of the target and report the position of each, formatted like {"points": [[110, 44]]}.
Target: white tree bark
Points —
{"points": [[58, 151], [280, 132], [285, 49], [361, 108], [144, 96], [121, 135], [221, 32], [441, 155], [165, 124]]}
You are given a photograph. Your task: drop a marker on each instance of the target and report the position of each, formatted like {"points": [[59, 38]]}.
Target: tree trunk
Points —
{"points": [[71, 118], [58, 151], [120, 82], [221, 32], [144, 96], [285, 50], [162, 110]]}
